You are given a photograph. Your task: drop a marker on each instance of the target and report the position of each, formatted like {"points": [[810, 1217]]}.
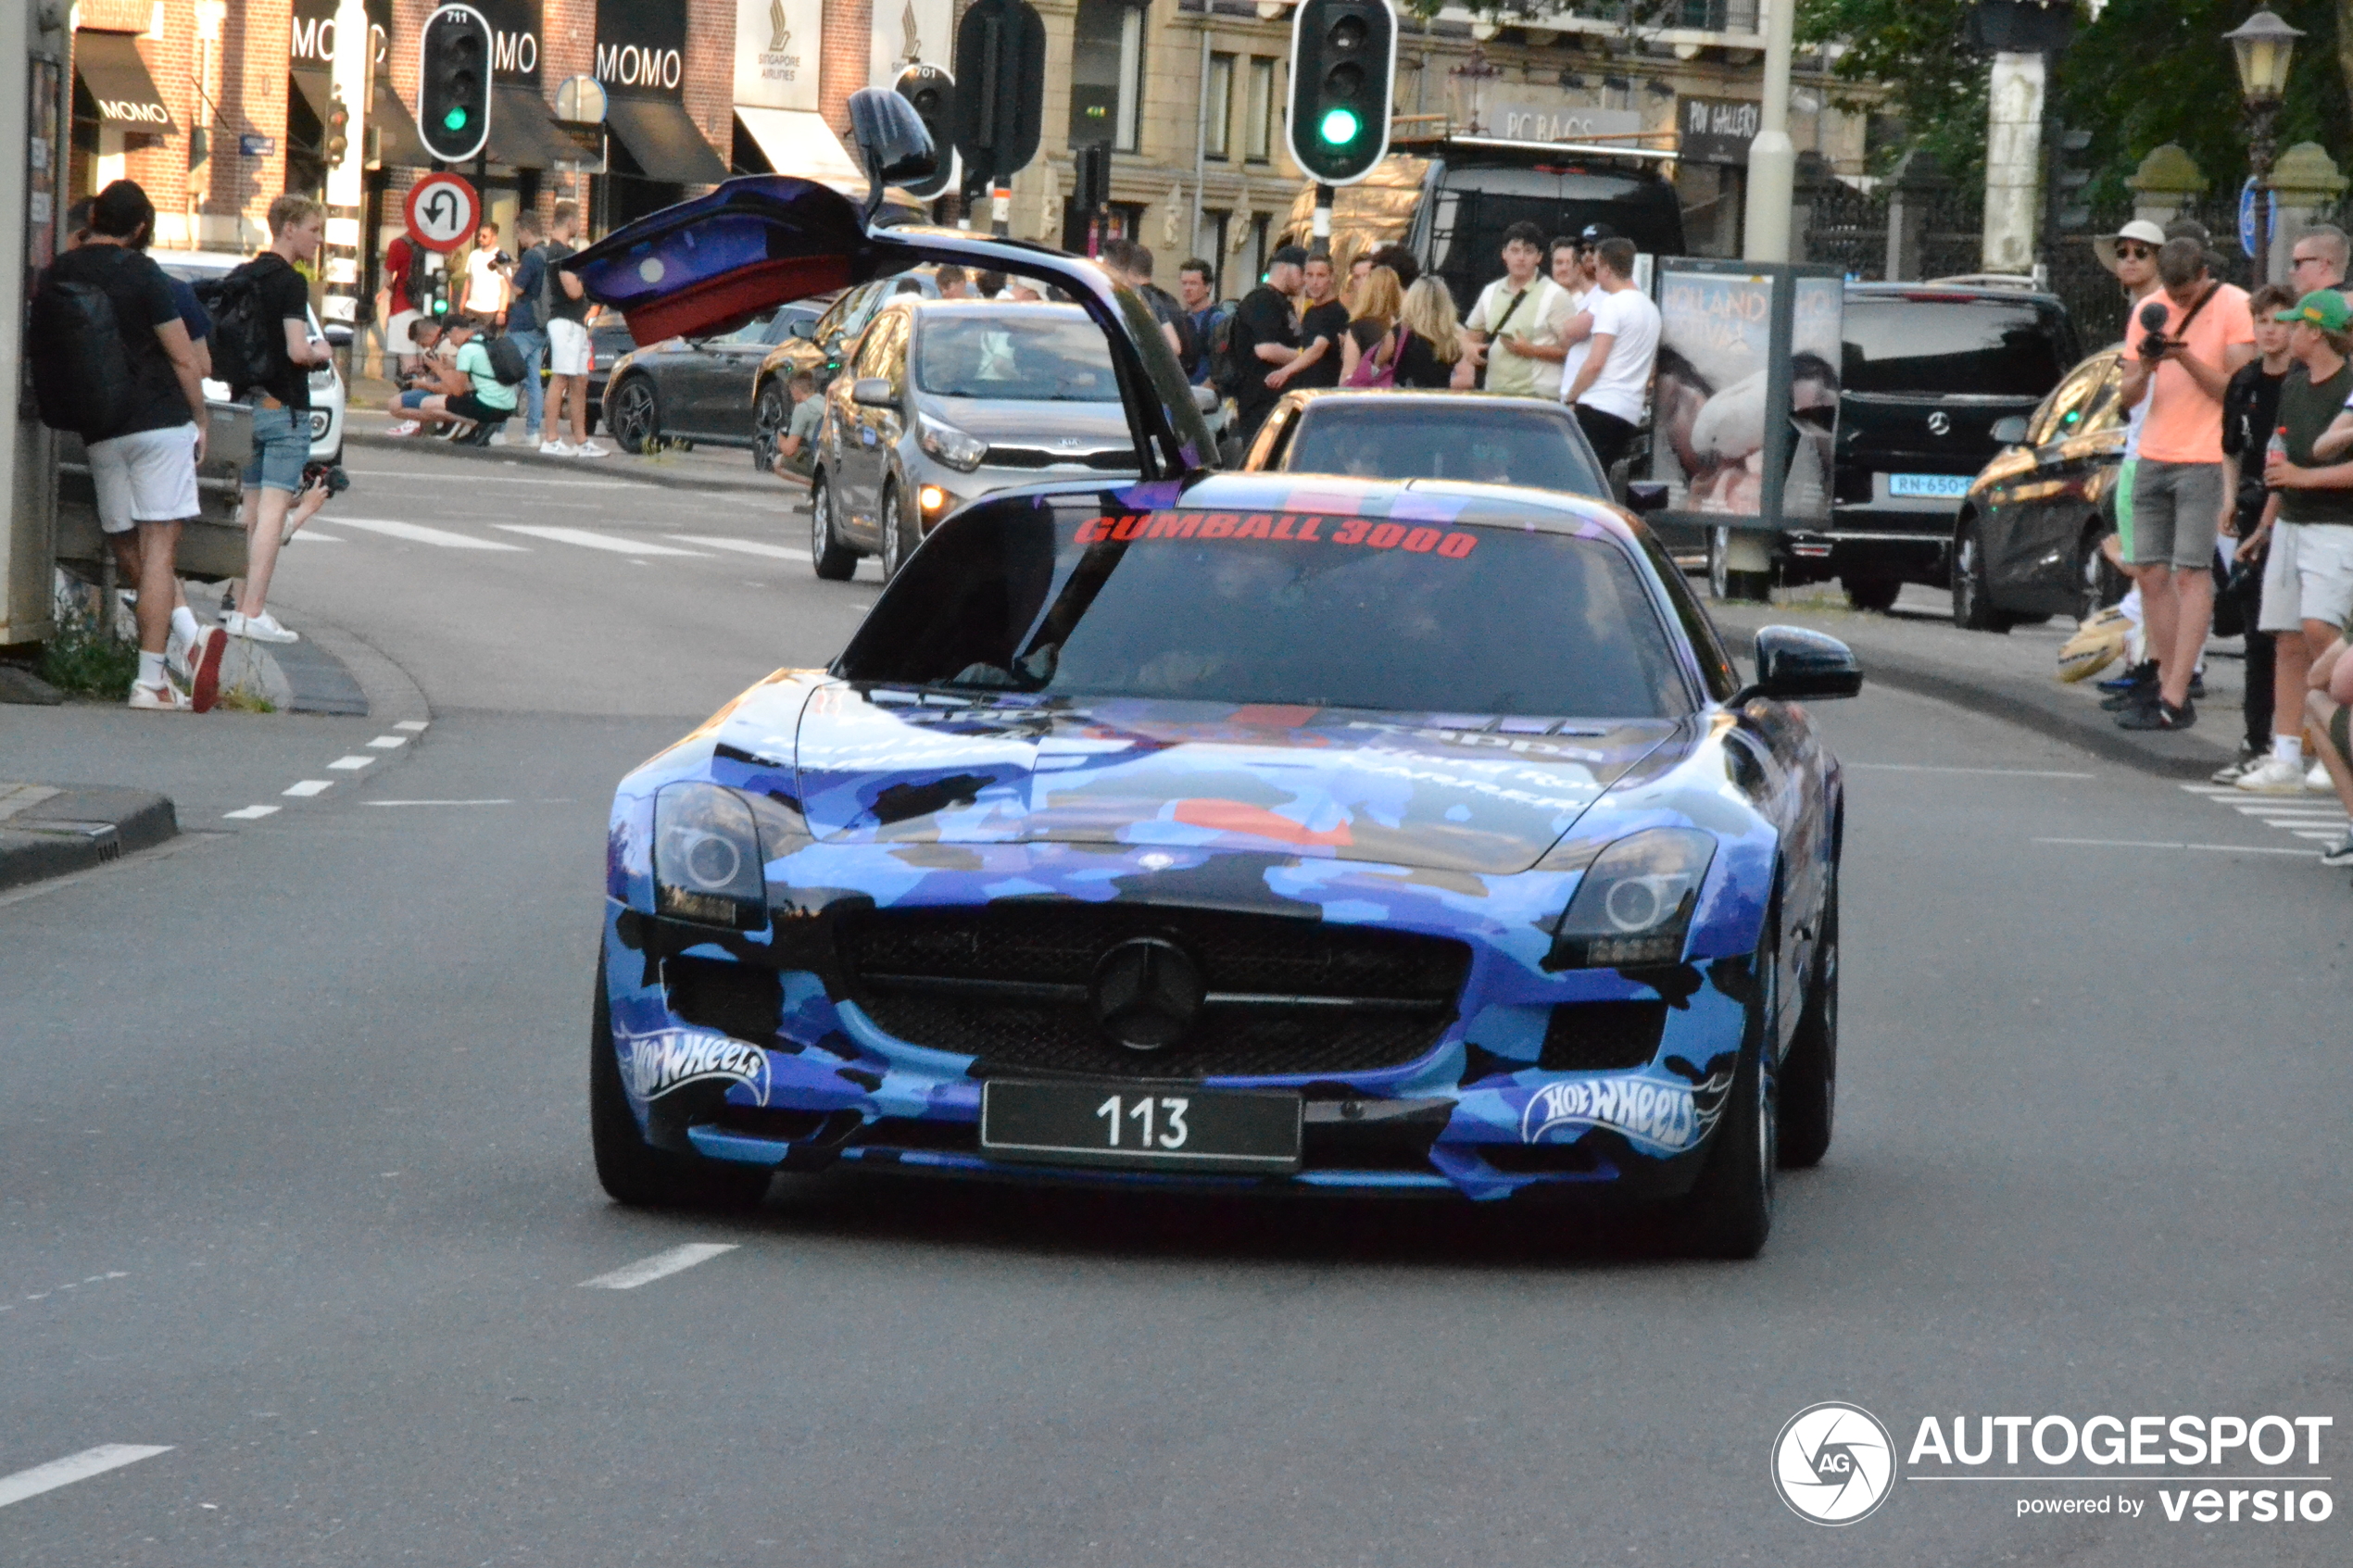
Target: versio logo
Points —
{"points": [[1833, 1463]]}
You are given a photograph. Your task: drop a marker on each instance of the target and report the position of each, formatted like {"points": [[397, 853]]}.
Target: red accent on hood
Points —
{"points": [[1256, 821]]}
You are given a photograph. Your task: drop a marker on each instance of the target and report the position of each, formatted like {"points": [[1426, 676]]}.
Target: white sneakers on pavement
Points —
{"points": [[262, 628], [406, 427], [557, 449], [590, 450], [2341, 852], [2316, 780], [2275, 776], [166, 698]]}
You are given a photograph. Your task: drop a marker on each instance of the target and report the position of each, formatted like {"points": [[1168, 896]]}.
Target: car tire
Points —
{"points": [[633, 1171], [634, 411], [1727, 587], [1808, 1086], [1972, 607], [896, 543], [771, 411], [1875, 594], [1728, 1212], [835, 561]]}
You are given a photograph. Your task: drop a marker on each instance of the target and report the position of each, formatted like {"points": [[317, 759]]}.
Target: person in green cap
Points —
{"points": [[2308, 581]]}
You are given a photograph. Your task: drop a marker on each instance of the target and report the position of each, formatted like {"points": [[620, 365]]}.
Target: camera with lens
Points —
{"points": [[2156, 342]]}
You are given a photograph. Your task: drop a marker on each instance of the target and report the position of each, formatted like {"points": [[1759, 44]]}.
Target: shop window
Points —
{"points": [[1258, 113], [1218, 108], [1107, 74]]}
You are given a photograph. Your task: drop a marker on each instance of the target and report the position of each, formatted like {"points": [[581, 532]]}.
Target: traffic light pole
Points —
{"points": [[1000, 208], [347, 176], [1322, 223]]}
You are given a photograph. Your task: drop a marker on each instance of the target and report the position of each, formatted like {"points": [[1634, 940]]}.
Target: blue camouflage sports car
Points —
{"points": [[1240, 833]]}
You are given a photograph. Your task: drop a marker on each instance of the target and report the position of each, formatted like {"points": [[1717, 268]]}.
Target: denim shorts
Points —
{"points": [[281, 448]]}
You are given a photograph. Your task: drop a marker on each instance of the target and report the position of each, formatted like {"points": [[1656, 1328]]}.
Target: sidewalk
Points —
{"points": [[2014, 677], [720, 468], [54, 830]]}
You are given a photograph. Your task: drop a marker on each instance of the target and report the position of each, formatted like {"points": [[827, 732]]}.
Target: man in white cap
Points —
{"points": [[2130, 254]]}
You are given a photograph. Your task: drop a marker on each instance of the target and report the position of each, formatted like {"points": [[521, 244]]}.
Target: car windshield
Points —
{"points": [[1275, 607], [1462, 438], [1031, 355], [1953, 344]]}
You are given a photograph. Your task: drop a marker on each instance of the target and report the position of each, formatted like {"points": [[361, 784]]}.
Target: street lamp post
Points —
{"points": [[2263, 47]]}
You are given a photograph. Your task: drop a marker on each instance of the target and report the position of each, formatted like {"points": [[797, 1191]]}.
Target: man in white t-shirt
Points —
{"points": [[1514, 330], [1620, 323], [485, 277]]}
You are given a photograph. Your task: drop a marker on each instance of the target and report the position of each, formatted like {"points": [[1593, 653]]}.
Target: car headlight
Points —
{"points": [[1634, 906], [711, 845], [949, 445]]}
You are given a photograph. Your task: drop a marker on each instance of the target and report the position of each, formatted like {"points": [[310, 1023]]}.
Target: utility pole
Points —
{"points": [[347, 176], [1773, 156]]}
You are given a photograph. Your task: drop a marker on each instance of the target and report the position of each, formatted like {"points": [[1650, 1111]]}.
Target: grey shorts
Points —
{"points": [[2175, 508]]}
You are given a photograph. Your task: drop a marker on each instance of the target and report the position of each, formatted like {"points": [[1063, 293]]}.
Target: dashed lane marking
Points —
{"points": [[741, 546], [417, 533], [437, 803], [386, 743], [74, 1467], [1931, 767], [414, 726], [248, 813], [352, 764], [588, 540], [304, 789], [660, 1265]]}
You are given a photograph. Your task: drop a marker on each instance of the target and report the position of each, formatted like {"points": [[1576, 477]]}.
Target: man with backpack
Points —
{"points": [[112, 361], [1201, 313]]}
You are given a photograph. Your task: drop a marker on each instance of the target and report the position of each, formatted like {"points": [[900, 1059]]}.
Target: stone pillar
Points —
{"points": [[1917, 180], [844, 60], [2305, 181], [2013, 160], [2164, 183]]}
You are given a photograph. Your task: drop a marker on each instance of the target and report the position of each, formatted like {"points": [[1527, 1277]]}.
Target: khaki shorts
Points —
{"points": [[2308, 576]]}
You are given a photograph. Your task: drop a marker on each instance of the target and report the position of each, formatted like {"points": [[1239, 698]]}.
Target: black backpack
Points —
{"points": [[81, 371], [505, 360], [248, 348]]}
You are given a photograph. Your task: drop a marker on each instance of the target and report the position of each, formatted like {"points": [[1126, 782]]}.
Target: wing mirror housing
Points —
{"points": [[2009, 431], [1645, 496], [872, 392], [1796, 665]]}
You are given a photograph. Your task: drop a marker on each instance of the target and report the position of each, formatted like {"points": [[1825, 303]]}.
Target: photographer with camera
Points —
{"points": [[486, 273], [2192, 337]]}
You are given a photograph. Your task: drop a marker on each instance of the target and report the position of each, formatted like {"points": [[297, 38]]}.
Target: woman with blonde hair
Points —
{"points": [[1375, 332], [1433, 347]]}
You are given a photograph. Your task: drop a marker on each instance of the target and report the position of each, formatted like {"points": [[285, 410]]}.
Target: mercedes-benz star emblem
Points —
{"points": [[1147, 993], [1940, 423]]}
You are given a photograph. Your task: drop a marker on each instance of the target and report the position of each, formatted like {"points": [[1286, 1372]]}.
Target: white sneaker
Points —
{"points": [[2316, 780], [2275, 776], [262, 628], [557, 449], [406, 427], [2231, 773], [166, 698], [176, 652], [498, 438], [590, 450]]}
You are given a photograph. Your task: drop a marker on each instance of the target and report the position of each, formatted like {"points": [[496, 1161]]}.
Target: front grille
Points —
{"points": [[1602, 1036], [1009, 984], [1110, 459]]}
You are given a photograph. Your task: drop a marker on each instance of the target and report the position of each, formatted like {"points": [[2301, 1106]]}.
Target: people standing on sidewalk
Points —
{"points": [[2319, 259], [1264, 337], [2177, 488], [1621, 326], [2250, 413], [1434, 340], [526, 327], [1376, 334], [1323, 321], [281, 406], [143, 465], [487, 270], [1202, 311], [563, 302], [397, 306], [1516, 319]]}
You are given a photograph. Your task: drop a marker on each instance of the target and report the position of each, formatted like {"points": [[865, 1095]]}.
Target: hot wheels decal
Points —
{"points": [[1665, 1116], [653, 1065]]}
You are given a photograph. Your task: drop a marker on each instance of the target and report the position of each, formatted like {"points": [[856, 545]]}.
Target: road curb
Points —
{"points": [[388, 693], [54, 830], [619, 467]]}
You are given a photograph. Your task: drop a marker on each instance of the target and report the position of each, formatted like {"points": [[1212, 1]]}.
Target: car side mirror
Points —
{"points": [[2009, 431], [796, 331], [1793, 664], [1206, 399], [1646, 495], [872, 392]]}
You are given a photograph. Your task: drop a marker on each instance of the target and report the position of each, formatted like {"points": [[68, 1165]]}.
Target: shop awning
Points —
{"points": [[663, 140], [117, 78], [798, 142], [318, 90], [397, 143], [523, 131]]}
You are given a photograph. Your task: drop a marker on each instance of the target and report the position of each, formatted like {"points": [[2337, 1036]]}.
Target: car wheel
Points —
{"points": [[634, 416], [1730, 587], [769, 413], [2097, 582], [1808, 1084], [895, 544], [633, 1171], [1728, 1212], [835, 561], [1972, 608], [1876, 594]]}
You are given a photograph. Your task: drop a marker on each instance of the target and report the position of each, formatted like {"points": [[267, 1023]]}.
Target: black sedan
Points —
{"points": [[2027, 546], [688, 390]]}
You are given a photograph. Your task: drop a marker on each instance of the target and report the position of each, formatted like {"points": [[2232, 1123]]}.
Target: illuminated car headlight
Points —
{"points": [[1634, 906], [709, 847], [951, 446]]}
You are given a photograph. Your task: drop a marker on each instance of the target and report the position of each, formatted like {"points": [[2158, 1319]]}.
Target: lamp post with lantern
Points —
{"points": [[2262, 47]]}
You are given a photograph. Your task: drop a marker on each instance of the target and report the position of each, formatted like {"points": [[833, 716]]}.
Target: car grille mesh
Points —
{"points": [[1324, 999], [1602, 1036], [1110, 459]]}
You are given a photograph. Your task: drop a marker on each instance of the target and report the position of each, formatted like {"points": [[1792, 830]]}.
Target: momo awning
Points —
{"points": [[117, 80], [798, 142], [399, 144], [522, 132], [662, 140]]}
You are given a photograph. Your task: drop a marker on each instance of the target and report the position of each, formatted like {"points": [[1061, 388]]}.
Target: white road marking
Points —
{"points": [[414, 724], [352, 764], [73, 1467], [309, 788], [411, 476], [247, 813], [1927, 768], [2155, 844], [386, 743], [741, 546], [589, 540], [417, 533], [307, 537], [437, 803], [647, 1270]]}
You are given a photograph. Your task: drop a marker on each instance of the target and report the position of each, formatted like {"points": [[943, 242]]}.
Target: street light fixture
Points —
{"points": [[2262, 47]]}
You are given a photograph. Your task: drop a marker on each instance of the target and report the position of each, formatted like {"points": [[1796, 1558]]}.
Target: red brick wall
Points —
{"points": [[844, 59]]}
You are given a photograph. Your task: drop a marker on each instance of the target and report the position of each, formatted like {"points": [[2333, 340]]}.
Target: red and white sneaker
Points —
{"points": [[166, 698], [406, 427], [204, 667]]}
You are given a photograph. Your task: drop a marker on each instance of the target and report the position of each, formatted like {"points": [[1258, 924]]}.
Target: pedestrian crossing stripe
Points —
{"points": [[2314, 818]]}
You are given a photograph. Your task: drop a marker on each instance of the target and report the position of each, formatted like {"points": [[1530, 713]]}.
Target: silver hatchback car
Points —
{"points": [[947, 400]]}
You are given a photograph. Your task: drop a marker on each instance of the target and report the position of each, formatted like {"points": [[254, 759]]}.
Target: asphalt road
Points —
{"points": [[294, 1185]]}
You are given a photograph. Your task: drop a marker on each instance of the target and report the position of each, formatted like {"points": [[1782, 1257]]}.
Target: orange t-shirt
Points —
{"points": [[2184, 425]]}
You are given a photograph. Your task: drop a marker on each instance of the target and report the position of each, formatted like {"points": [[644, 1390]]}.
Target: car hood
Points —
{"points": [[1024, 423], [1449, 792]]}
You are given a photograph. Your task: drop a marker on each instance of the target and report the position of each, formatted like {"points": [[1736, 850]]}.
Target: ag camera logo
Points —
{"points": [[1833, 1463]]}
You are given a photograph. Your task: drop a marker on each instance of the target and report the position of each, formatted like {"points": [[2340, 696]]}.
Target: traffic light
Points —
{"points": [[1344, 57], [1000, 60], [1091, 183], [338, 130], [453, 83], [2070, 210], [932, 92]]}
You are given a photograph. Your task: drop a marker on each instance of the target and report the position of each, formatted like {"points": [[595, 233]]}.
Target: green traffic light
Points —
{"points": [[1340, 127], [455, 118]]}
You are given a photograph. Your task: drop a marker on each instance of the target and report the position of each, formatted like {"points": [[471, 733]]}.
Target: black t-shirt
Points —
{"points": [[1328, 319], [143, 301], [1418, 365], [285, 297], [2306, 409], [562, 307], [2250, 412], [1264, 316]]}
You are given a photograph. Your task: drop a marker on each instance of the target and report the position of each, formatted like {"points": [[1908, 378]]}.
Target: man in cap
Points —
{"points": [[2130, 254], [1264, 338]]}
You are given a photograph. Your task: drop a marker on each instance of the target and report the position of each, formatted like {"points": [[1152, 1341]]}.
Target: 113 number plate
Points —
{"points": [[1142, 1127]]}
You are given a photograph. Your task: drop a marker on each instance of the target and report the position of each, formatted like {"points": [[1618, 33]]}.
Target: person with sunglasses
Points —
{"points": [[2129, 257], [2319, 260]]}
